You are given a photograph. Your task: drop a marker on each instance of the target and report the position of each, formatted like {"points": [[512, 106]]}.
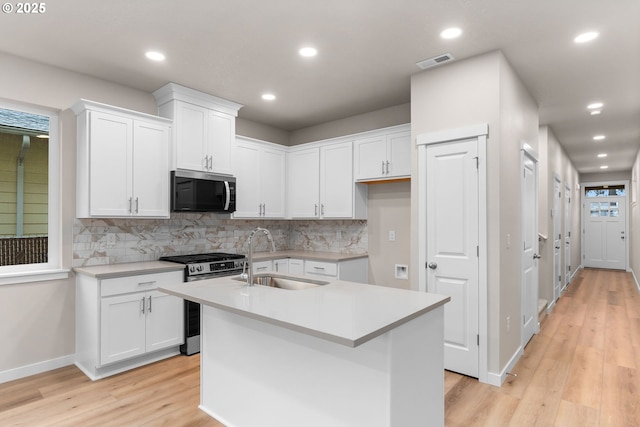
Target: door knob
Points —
{"points": [[557, 247], [536, 256], [433, 265]]}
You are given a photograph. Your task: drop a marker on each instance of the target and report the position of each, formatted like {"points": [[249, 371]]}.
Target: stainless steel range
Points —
{"points": [[199, 267]]}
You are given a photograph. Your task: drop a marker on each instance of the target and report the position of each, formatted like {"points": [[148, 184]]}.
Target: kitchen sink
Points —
{"points": [[284, 282]]}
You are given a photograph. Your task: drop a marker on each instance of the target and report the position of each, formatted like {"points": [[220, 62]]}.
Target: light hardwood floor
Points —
{"points": [[580, 370]]}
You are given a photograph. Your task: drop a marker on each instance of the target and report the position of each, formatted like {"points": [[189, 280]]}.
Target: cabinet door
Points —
{"points": [[165, 321], [399, 154], [296, 266], [110, 140], [272, 182], [304, 183], [122, 327], [262, 266], [336, 181], [248, 196], [150, 169], [281, 265], [222, 132], [191, 125], [371, 157]]}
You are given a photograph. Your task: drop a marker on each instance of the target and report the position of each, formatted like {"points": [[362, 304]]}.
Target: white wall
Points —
{"points": [[634, 223], [37, 320], [484, 89]]}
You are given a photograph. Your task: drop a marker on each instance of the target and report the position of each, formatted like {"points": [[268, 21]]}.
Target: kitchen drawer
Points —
{"points": [[321, 268], [262, 266], [140, 283]]}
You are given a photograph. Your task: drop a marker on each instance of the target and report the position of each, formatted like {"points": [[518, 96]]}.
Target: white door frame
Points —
{"points": [[556, 241], [584, 215], [480, 131], [527, 152]]}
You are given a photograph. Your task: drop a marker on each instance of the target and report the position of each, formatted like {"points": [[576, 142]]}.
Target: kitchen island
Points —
{"points": [[339, 354]]}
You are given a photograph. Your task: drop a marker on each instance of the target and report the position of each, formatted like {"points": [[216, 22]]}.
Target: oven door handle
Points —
{"points": [[228, 193]]}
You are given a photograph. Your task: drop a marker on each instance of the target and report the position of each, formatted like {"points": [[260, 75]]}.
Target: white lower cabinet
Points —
{"points": [[281, 265], [138, 323], [296, 266], [124, 322], [262, 266]]}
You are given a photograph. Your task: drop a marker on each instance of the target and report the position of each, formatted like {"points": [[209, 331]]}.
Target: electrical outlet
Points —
{"points": [[392, 235]]}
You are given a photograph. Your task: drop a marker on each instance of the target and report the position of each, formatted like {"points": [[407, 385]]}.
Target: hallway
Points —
{"points": [[582, 369]]}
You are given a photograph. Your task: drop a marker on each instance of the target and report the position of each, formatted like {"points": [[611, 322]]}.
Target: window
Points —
{"points": [[605, 191], [29, 194]]}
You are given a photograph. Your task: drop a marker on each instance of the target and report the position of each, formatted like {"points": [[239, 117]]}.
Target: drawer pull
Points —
{"points": [[149, 303], [319, 268], [152, 282], [261, 268], [142, 305]]}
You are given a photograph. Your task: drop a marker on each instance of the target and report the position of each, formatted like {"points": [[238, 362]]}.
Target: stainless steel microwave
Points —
{"points": [[193, 191]]}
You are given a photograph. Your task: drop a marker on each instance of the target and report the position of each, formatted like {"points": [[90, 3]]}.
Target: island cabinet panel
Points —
{"points": [[395, 379], [205, 127], [383, 156], [122, 163], [260, 179], [125, 322]]}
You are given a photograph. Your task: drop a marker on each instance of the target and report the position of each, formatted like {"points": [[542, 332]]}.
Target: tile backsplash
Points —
{"points": [[114, 241]]}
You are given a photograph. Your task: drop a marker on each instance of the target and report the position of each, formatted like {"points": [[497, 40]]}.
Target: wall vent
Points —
{"points": [[436, 60]]}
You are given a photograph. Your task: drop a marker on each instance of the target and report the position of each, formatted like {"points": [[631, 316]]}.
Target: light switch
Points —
{"points": [[392, 236]]}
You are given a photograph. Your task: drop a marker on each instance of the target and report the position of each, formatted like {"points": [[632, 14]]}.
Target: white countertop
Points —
{"points": [[311, 255], [346, 313], [108, 271]]}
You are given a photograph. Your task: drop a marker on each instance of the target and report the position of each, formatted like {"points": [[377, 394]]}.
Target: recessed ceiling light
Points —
{"points": [[604, 167], [601, 155], [586, 37], [155, 56], [595, 105], [599, 137], [268, 96], [596, 112], [308, 52], [451, 33]]}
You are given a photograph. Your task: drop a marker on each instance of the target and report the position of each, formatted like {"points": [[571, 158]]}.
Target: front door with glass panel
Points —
{"points": [[605, 227]]}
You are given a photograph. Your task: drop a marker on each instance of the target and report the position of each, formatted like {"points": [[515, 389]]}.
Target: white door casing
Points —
{"points": [[567, 235], [452, 239], [529, 278], [557, 239], [605, 224]]}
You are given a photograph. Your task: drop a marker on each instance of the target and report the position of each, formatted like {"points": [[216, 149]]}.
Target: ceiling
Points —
{"points": [[239, 49]]}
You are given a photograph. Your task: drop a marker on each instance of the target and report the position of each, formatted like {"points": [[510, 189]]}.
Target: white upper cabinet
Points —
{"points": [[321, 183], [260, 170], [204, 128], [122, 162], [386, 155]]}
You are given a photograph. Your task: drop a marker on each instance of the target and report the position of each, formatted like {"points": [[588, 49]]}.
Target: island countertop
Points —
{"points": [[346, 313]]}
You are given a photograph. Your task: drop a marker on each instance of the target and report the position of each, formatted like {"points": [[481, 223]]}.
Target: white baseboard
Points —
{"points": [[36, 368], [635, 279], [575, 272], [496, 379]]}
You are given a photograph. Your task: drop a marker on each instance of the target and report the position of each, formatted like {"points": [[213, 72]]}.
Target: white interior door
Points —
{"points": [[452, 247], [605, 226], [530, 256], [557, 239], [567, 235]]}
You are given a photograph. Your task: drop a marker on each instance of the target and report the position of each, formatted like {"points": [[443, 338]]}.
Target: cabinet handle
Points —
{"points": [[318, 268], [261, 268], [149, 303], [152, 282], [382, 171], [142, 304], [315, 212], [387, 167], [205, 163], [322, 209], [211, 163], [136, 205], [130, 205]]}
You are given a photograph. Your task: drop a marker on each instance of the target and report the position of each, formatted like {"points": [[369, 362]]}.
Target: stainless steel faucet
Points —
{"points": [[258, 230]]}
